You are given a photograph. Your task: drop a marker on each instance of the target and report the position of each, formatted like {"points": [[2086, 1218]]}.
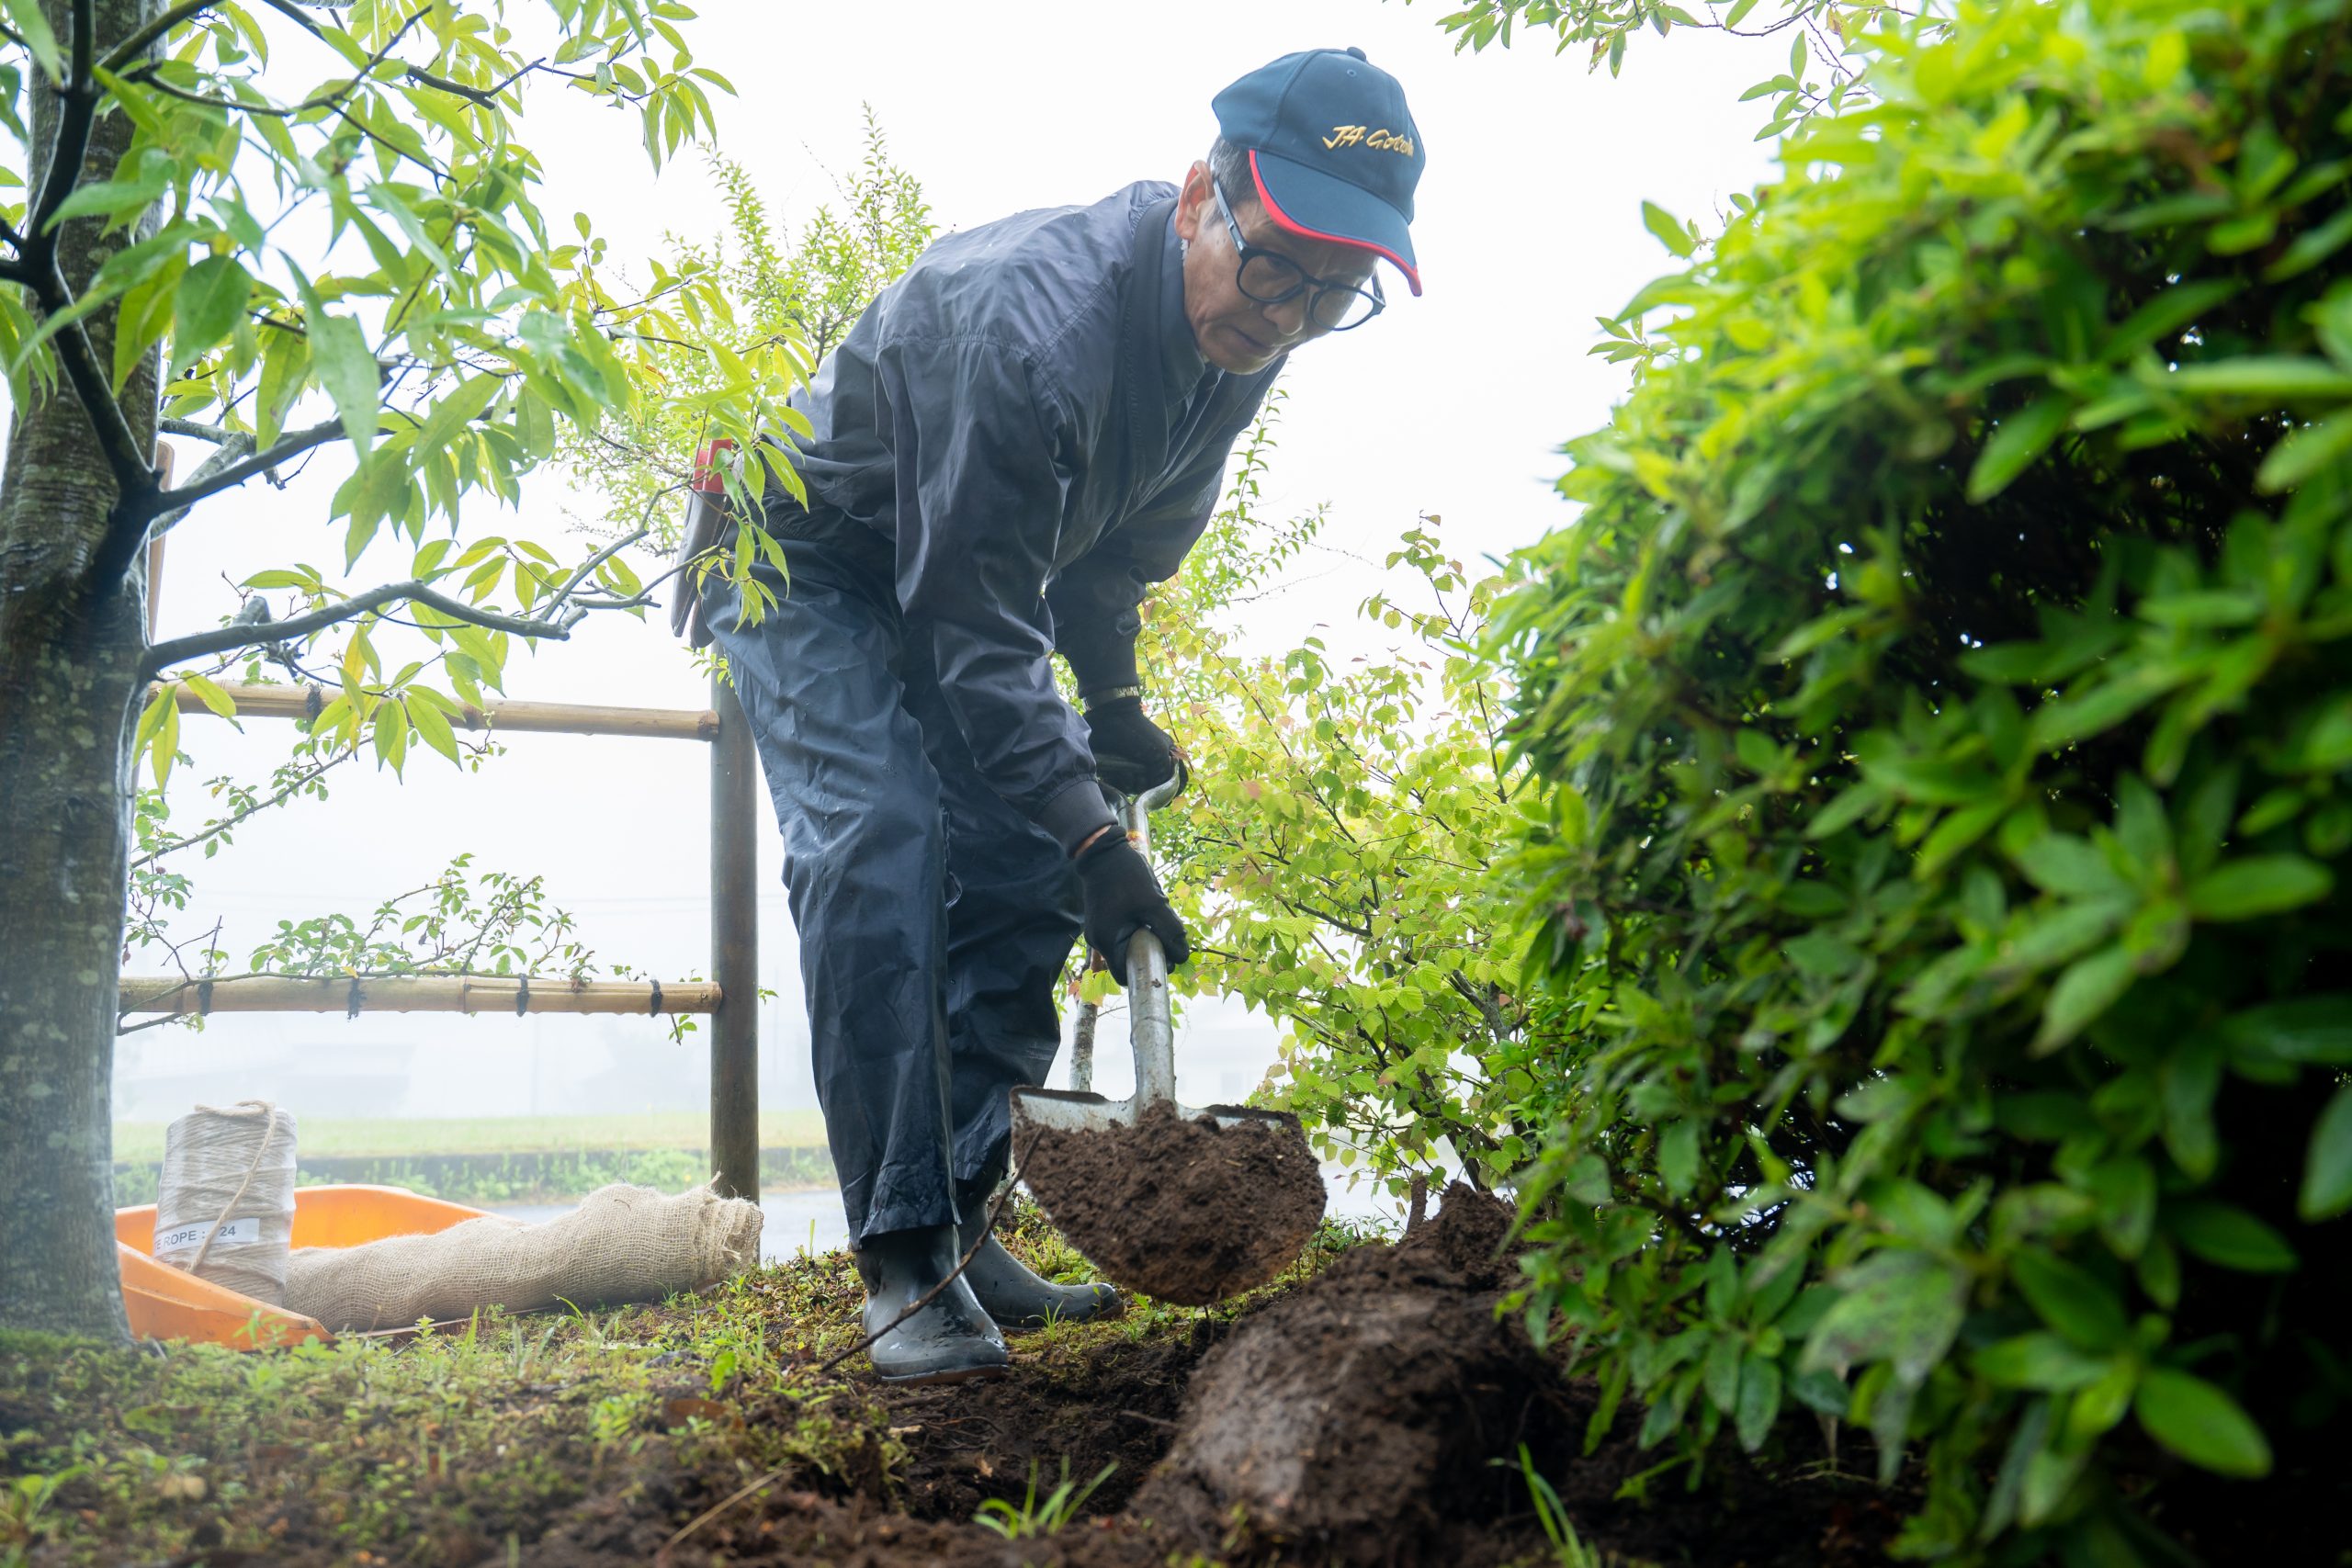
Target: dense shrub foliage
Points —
{"points": [[1944, 704]]}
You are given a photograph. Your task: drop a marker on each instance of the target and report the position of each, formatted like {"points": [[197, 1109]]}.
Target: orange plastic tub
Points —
{"points": [[165, 1304]]}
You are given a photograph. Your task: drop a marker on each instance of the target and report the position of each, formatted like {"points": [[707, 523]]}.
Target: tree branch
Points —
{"points": [[197, 430], [80, 96], [236, 474], [486, 96], [585, 568], [415, 590], [283, 794], [235, 445], [134, 473], [137, 43]]}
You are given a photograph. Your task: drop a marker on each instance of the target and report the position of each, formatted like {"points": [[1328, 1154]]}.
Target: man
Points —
{"points": [[1019, 436]]}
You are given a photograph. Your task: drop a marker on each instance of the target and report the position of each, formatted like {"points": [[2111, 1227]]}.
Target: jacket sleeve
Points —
{"points": [[979, 443], [1095, 599]]}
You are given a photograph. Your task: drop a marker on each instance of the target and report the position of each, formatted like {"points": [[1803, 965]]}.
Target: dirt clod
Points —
{"points": [[1188, 1211], [1354, 1421]]}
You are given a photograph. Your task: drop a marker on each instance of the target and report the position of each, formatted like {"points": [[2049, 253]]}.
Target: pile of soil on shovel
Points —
{"points": [[1188, 1211]]}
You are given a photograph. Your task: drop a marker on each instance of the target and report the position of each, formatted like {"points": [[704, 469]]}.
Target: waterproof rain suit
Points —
{"points": [[1015, 440]]}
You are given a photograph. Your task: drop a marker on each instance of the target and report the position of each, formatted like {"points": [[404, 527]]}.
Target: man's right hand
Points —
{"points": [[1122, 897], [1131, 753]]}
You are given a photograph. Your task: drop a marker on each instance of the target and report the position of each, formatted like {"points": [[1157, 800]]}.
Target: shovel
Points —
{"points": [[1188, 1206]]}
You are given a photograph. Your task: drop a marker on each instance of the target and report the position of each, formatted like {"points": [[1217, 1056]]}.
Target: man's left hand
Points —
{"points": [[1131, 753]]}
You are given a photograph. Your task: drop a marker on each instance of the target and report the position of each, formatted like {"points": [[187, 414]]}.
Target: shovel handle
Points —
{"points": [[1151, 1029]]}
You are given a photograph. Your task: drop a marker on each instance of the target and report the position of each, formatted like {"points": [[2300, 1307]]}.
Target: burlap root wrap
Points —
{"points": [[623, 1243]]}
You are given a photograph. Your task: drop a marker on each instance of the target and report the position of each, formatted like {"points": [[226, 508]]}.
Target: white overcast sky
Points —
{"points": [[1529, 226]]}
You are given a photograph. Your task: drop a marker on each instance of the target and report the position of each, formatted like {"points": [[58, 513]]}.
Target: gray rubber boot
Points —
{"points": [[951, 1338], [1017, 1297]]}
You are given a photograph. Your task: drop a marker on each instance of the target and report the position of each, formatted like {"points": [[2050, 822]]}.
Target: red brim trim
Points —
{"points": [[1290, 225]]}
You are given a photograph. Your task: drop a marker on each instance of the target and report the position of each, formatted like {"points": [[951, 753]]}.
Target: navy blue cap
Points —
{"points": [[1333, 149]]}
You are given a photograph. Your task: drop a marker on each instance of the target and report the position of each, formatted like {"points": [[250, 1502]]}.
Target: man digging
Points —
{"points": [[1018, 437]]}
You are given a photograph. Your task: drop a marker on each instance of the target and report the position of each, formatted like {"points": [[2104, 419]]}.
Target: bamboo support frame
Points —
{"points": [[734, 951], [413, 993], [734, 917], [546, 718]]}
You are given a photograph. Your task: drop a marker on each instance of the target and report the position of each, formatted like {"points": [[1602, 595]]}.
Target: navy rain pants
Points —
{"points": [[933, 917]]}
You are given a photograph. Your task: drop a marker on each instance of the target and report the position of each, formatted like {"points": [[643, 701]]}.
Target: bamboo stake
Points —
{"points": [[557, 719], [413, 993]]}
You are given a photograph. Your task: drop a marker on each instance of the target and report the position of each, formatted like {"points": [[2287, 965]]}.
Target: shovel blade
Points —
{"points": [[1188, 1206]]}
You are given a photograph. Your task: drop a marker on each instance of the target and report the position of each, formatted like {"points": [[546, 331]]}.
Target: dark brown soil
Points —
{"points": [[1188, 1211], [967, 1443], [1355, 1421]]}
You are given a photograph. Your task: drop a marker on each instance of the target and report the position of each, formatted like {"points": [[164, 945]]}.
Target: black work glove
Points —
{"points": [[1122, 897], [1131, 753]]}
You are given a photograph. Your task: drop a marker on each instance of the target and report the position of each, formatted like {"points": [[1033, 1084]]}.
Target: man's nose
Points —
{"points": [[1289, 318]]}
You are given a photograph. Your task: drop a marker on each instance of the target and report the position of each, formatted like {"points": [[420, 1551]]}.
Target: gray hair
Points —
{"points": [[1230, 164]]}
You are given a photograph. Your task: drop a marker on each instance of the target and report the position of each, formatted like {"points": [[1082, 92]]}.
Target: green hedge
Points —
{"points": [[1945, 702]]}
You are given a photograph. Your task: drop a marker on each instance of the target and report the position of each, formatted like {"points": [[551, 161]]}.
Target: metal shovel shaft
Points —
{"points": [[1151, 1026]]}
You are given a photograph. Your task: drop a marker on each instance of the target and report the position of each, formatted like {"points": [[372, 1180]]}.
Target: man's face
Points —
{"points": [[1236, 333]]}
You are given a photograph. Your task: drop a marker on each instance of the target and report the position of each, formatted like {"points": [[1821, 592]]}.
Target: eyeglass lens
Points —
{"points": [[1271, 279]]}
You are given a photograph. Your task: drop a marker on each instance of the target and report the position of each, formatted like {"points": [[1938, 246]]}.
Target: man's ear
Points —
{"points": [[1193, 203]]}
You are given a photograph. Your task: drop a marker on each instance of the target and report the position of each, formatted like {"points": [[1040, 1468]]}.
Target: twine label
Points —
{"points": [[187, 1239]]}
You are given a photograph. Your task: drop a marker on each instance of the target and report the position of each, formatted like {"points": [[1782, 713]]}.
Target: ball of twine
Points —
{"points": [[224, 1205]]}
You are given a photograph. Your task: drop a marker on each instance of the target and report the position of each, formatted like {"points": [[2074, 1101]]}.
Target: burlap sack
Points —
{"points": [[623, 1243]]}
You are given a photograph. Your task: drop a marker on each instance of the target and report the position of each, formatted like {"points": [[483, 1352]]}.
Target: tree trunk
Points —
{"points": [[70, 648]]}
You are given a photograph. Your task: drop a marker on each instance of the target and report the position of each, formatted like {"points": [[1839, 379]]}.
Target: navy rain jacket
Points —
{"points": [[998, 415]]}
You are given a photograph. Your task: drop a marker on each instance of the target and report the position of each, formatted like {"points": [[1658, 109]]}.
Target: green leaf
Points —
{"points": [[33, 27], [2020, 438], [2327, 1169], [2200, 1423], [1669, 230], [1759, 1401], [1902, 1306], [2305, 450], [1721, 1378], [389, 731], [454, 411], [2226, 1234], [1677, 1157], [2040, 1360], [349, 370], [2256, 885], [214, 698], [2259, 376], [432, 727], [210, 305], [286, 361], [2070, 1299], [2084, 990], [2167, 313], [2308, 1029]]}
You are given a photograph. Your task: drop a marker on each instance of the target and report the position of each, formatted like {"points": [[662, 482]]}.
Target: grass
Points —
{"points": [[1034, 1517], [393, 1139], [469, 1445]]}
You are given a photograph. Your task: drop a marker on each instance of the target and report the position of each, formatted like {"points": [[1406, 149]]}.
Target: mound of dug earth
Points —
{"points": [[1188, 1211], [1355, 1422]]}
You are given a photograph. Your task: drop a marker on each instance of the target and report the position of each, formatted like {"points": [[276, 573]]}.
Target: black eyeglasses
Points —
{"points": [[1273, 279]]}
